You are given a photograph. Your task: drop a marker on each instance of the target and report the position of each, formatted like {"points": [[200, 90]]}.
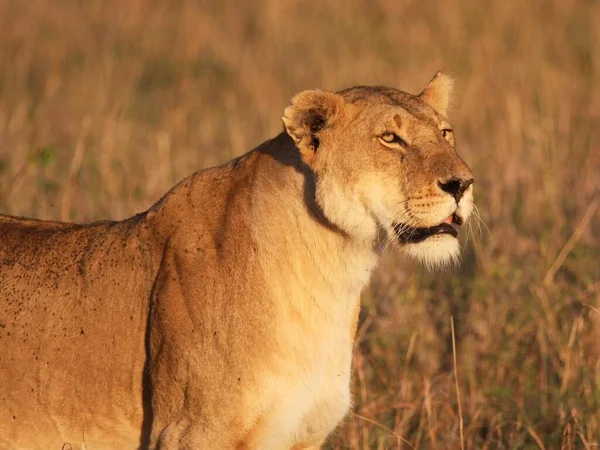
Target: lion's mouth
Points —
{"points": [[410, 235]]}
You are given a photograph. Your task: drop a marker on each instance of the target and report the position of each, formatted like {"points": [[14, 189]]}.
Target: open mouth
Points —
{"points": [[410, 235]]}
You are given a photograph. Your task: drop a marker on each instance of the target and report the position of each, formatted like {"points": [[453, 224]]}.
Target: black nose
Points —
{"points": [[456, 187]]}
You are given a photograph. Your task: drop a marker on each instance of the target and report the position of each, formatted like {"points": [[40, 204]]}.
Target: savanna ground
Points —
{"points": [[104, 105]]}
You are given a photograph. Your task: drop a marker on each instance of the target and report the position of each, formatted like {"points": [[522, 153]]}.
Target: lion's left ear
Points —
{"points": [[438, 93], [309, 112]]}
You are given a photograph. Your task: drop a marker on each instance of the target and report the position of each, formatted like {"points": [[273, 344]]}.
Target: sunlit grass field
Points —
{"points": [[104, 105]]}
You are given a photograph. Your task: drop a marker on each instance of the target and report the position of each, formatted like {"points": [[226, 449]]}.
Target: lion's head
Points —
{"points": [[385, 159]]}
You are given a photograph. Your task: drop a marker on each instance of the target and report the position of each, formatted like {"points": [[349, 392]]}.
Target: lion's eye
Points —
{"points": [[390, 139]]}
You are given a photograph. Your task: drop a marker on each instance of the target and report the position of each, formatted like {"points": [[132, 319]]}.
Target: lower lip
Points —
{"points": [[416, 235]]}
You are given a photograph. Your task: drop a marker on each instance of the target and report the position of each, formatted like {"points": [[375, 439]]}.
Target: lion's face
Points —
{"points": [[384, 159]]}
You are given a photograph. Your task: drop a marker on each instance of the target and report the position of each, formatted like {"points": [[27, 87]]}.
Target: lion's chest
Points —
{"points": [[329, 405], [310, 390]]}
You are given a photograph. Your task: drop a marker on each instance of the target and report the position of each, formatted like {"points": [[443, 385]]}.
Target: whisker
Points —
{"points": [[480, 220], [477, 217]]}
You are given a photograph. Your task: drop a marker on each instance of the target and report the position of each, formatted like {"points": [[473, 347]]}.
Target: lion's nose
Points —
{"points": [[456, 187]]}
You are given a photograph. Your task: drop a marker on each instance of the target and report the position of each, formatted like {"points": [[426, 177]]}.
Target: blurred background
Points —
{"points": [[104, 105]]}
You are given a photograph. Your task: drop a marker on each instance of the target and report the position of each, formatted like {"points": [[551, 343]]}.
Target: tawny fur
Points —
{"points": [[224, 316]]}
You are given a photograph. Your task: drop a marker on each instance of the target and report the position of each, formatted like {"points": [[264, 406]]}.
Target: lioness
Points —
{"points": [[224, 316]]}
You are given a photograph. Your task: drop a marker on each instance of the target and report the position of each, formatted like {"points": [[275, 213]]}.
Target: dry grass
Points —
{"points": [[105, 104]]}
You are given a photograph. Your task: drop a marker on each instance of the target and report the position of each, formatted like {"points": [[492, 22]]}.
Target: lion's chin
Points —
{"points": [[435, 252]]}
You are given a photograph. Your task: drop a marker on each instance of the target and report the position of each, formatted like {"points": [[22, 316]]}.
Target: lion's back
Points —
{"points": [[59, 261]]}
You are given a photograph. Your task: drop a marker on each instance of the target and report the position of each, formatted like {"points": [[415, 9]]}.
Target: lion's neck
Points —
{"points": [[322, 265]]}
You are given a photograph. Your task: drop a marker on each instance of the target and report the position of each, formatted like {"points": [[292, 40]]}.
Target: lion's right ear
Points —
{"points": [[438, 93], [309, 112]]}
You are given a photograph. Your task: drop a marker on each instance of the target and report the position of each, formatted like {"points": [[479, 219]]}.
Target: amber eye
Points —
{"points": [[390, 139]]}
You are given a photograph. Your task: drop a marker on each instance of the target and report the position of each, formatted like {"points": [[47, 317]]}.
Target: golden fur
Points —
{"points": [[224, 316]]}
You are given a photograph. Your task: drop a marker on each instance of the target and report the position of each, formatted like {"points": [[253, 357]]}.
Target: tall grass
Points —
{"points": [[104, 105]]}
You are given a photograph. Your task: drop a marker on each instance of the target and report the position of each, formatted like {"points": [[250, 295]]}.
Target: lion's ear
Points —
{"points": [[438, 93], [309, 112]]}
